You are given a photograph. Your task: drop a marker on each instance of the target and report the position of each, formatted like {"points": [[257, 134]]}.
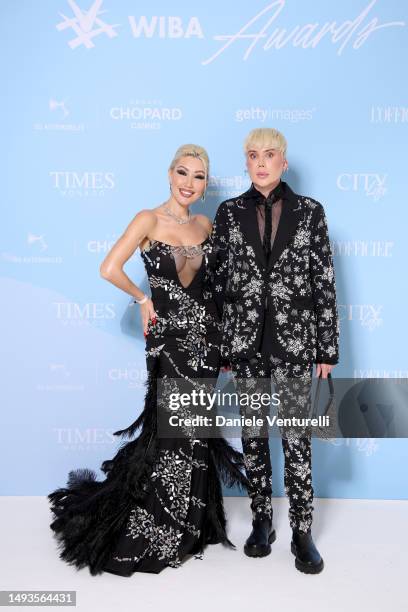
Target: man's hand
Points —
{"points": [[225, 365], [324, 369]]}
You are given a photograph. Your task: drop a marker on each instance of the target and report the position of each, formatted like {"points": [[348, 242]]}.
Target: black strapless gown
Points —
{"points": [[161, 499]]}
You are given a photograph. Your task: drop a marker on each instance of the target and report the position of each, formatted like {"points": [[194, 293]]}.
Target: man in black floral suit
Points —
{"points": [[274, 285]]}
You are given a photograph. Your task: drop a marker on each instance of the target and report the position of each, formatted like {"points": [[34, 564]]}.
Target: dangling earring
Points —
{"points": [[203, 196]]}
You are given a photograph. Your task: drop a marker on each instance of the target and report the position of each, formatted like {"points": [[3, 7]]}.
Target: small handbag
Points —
{"points": [[329, 409]]}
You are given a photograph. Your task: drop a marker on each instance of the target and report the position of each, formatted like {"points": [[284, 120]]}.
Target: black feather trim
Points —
{"points": [[89, 515], [229, 463]]}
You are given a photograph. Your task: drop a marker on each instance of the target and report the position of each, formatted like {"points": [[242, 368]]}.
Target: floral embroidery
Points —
{"points": [[303, 332]]}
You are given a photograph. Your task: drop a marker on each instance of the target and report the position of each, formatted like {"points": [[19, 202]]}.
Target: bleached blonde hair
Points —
{"points": [[266, 138], [193, 151]]}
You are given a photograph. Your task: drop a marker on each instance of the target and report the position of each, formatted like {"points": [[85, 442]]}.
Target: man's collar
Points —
{"points": [[253, 194]]}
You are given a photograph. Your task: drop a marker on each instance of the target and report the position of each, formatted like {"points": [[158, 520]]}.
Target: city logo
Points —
{"points": [[368, 446], [368, 315], [372, 184], [86, 25]]}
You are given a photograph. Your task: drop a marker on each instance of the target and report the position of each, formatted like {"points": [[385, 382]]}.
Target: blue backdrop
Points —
{"points": [[99, 96]]}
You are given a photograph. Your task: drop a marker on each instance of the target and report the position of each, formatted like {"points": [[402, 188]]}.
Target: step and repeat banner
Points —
{"points": [[97, 96]]}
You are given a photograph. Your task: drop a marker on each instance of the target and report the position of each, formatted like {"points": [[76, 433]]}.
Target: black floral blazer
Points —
{"points": [[297, 283]]}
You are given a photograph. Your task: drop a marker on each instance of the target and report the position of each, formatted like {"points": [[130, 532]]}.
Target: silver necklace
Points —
{"points": [[176, 218]]}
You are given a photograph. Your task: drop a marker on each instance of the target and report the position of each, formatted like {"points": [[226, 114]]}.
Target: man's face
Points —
{"points": [[265, 167]]}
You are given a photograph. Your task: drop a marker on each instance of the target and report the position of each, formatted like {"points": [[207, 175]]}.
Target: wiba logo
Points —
{"points": [[86, 25], [165, 27], [261, 29]]}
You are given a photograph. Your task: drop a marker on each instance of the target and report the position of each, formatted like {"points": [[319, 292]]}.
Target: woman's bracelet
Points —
{"points": [[141, 300]]}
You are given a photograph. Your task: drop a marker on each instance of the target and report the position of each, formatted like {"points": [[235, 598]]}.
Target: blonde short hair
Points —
{"points": [[194, 151], [265, 138]]}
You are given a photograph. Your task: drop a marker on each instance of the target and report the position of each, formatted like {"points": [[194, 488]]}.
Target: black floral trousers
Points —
{"points": [[292, 383]]}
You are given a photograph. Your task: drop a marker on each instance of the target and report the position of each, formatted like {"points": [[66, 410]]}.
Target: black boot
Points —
{"points": [[262, 535], [308, 559]]}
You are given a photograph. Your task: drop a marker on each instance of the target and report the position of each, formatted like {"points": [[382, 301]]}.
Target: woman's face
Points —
{"points": [[265, 167], [187, 180]]}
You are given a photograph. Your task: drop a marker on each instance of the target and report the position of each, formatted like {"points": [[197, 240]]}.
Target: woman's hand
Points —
{"points": [[147, 313]]}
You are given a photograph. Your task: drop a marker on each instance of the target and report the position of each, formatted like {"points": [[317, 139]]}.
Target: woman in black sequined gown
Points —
{"points": [[161, 499]]}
